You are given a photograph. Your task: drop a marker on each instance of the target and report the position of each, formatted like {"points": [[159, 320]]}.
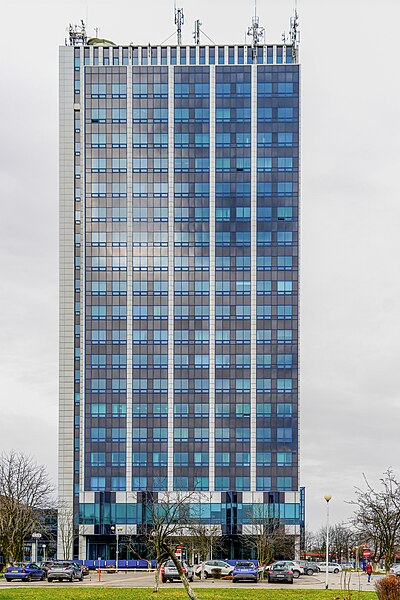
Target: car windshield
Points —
{"points": [[279, 567], [248, 565]]}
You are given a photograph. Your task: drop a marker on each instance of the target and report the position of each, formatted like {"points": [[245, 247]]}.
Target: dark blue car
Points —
{"points": [[244, 571], [24, 572]]}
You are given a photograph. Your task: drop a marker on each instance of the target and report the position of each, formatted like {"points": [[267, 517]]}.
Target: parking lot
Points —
{"points": [[354, 581]]}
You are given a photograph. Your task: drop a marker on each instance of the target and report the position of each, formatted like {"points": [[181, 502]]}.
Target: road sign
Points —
{"points": [[366, 552], [36, 536]]}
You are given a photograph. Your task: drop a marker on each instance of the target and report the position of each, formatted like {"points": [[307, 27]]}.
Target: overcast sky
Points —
{"points": [[350, 220]]}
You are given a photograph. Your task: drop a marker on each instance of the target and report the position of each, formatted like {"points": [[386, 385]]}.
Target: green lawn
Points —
{"points": [[146, 594]]}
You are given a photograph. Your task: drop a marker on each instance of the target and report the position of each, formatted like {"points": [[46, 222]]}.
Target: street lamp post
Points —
{"points": [[327, 498], [117, 531], [36, 536]]}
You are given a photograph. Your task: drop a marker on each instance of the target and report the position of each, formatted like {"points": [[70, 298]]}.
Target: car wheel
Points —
{"points": [[191, 578], [296, 574], [80, 578], [291, 581], [43, 577], [336, 570], [309, 572], [163, 580], [49, 579], [206, 575], [29, 578]]}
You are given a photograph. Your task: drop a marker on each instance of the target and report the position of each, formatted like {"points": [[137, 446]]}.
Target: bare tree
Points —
{"points": [[377, 516], [170, 518], [25, 488], [204, 540], [342, 537], [309, 543], [66, 531], [266, 535]]}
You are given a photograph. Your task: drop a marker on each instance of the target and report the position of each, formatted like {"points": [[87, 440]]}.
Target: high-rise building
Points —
{"points": [[179, 206]]}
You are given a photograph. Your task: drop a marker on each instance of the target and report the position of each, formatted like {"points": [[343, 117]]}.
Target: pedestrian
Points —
{"points": [[368, 570]]}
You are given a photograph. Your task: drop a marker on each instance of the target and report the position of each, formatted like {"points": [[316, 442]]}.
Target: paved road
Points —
{"points": [[354, 581]]}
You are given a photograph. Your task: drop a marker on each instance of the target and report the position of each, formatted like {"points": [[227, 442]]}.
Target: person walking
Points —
{"points": [[368, 570]]}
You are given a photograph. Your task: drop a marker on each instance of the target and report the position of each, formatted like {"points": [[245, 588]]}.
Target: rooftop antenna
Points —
{"points": [[256, 32], [196, 32], [77, 34], [294, 35], [179, 21]]}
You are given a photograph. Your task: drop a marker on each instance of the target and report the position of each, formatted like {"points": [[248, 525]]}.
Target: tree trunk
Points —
{"points": [[157, 578], [191, 594]]}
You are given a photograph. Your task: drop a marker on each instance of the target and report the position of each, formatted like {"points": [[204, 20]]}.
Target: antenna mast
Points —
{"points": [[294, 35], [196, 32], [77, 34], [256, 32], [179, 21]]}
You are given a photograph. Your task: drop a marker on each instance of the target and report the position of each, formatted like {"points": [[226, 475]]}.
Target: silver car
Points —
{"points": [[66, 569], [169, 572]]}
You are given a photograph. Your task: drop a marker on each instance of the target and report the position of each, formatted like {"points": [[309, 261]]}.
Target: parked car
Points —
{"points": [[45, 564], [309, 567], [280, 571], [65, 569], [24, 572], [244, 571], [332, 567], [395, 569], [85, 570], [293, 566], [224, 567], [169, 572]]}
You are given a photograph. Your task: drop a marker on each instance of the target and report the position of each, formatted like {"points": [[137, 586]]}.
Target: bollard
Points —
{"points": [[98, 574]]}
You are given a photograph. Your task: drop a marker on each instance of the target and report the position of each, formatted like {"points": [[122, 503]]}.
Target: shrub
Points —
{"points": [[388, 588]]}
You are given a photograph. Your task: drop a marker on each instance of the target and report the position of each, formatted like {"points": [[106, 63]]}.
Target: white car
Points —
{"points": [[395, 570], [332, 567], [209, 565]]}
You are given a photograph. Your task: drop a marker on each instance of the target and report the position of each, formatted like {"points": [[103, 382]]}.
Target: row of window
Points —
{"points": [[160, 336], [186, 213], [141, 188], [189, 115], [196, 140], [182, 361], [241, 385], [184, 434], [197, 459], [202, 263], [140, 483], [238, 311], [186, 90], [182, 336], [199, 409], [183, 164], [186, 55]]}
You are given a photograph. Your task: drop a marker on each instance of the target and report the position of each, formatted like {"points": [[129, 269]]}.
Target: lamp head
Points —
{"points": [[327, 497]]}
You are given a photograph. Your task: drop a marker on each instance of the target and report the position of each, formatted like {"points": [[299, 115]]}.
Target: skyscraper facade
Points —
{"points": [[179, 206]]}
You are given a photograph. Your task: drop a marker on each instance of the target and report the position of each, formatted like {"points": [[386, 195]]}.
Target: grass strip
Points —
{"points": [[178, 594]]}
